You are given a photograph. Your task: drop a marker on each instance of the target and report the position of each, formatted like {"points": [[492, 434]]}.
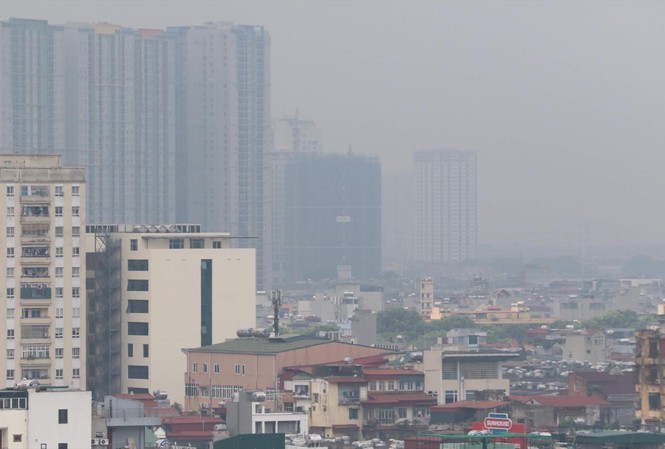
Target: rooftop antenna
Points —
{"points": [[276, 296]]}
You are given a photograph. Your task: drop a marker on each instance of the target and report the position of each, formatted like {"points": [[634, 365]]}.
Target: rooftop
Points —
{"points": [[560, 401], [391, 398], [475, 405], [263, 345]]}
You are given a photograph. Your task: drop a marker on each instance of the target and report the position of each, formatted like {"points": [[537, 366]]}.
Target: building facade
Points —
{"points": [[333, 217], [155, 290], [32, 87], [224, 128], [42, 205], [446, 205]]}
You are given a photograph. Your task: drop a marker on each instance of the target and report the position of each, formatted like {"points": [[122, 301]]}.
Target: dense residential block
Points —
{"points": [[42, 206]]}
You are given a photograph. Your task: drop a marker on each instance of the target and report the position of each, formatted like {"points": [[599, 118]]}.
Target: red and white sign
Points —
{"points": [[492, 423]]}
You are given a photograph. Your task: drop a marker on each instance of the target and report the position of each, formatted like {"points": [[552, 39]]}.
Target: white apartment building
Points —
{"points": [[155, 290], [42, 206], [42, 418], [445, 188]]}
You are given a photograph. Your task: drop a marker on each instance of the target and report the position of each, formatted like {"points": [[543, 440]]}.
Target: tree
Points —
{"points": [[314, 330], [450, 322], [615, 319], [405, 322]]}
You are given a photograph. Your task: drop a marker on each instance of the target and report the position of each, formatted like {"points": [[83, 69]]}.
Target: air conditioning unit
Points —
{"points": [[94, 442], [204, 405], [103, 442]]}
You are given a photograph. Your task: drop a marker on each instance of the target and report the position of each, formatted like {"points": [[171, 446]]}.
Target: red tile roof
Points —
{"points": [[561, 401], [389, 398], [389, 372], [346, 380], [476, 405]]}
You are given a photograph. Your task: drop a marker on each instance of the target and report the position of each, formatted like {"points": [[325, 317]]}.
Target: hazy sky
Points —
{"points": [[563, 101]]}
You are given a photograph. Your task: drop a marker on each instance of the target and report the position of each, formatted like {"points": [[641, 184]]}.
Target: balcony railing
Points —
{"points": [[35, 293]]}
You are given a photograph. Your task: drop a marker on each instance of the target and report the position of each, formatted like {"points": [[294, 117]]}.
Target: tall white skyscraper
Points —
{"points": [[446, 215]]}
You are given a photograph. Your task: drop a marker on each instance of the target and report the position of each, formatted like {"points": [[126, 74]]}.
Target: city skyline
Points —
{"points": [[559, 100]]}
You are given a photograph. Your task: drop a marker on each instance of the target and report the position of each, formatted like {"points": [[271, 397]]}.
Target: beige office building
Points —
{"points": [[154, 290], [42, 206]]}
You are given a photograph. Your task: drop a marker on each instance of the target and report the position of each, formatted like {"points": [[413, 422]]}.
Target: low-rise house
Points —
{"points": [[467, 339], [588, 345], [216, 372], [548, 412], [249, 414], [447, 415], [618, 390], [455, 376]]}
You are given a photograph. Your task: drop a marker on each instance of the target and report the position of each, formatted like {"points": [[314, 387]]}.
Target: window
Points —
{"points": [[62, 446], [76, 353], [58, 211], [137, 265], [75, 190], [401, 412], [59, 251], [58, 272], [59, 353], [10, 293], [353, 413], [10, 252], [76, 292], [10, 211], [137, 372], [59, 292], [176, 243], [76, 272], [75, 211], [10, 354], [10, 190], [146, 350], [10, 313], [76, 251], [76, 373], [205, 367], [58, 332], [137, 285], [137, 328], [450, 396], [59, 312], [10, 231], [216, 368], [62, 416], [196, 243], [10, 334], [58, 191], [216, 245], [76, 332], [195, 367], [17, 437], [130, 350], [59, 373], [10, 272], [239, 369], [10, 374], [137, 306], [76, 231], [76, 312], [316, 398], [654, 401]]}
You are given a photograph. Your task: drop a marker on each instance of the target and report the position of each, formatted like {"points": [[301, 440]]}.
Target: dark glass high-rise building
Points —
{"points": [[332, 217]]}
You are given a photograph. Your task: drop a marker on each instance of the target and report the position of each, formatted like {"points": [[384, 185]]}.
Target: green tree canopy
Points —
{"points": [[396, 321]]}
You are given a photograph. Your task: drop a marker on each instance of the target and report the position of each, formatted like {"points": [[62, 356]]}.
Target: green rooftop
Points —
{"points": [[619, 437], [273, 345]]}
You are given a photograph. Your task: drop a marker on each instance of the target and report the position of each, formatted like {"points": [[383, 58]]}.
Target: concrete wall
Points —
{"points": [[43, 426]]}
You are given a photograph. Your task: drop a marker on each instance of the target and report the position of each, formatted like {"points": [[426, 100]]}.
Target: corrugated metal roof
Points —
{"points": [[263, 346]]}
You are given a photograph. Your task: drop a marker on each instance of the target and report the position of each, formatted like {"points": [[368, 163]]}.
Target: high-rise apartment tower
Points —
{"points": [[446, 215], [42, 206]]}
